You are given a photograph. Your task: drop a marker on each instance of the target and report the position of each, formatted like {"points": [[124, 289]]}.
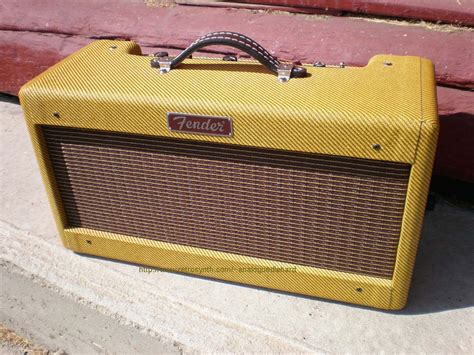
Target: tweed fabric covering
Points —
{"points": [[343, 112]]}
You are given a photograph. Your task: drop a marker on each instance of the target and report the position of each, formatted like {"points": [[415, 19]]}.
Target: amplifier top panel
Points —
{"points": [[372, 112]]}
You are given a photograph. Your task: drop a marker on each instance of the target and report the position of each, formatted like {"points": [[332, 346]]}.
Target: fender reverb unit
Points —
{"points": [[306, 179]]}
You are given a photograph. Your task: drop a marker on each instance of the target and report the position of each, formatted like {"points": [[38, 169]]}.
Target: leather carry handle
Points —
{"points": [[235, 40]]}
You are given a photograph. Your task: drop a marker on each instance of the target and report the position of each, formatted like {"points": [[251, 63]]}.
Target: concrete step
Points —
{"points": [[203, 315]]}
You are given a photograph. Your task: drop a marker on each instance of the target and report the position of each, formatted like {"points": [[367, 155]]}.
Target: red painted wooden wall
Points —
{"points": [[445, 11], [34, 34]]}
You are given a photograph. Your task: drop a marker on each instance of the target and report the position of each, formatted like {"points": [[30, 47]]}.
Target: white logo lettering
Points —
{"points": [[184, 122]]}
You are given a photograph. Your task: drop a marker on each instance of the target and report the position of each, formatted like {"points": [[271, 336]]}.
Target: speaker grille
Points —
{"points": [[322, 211]]}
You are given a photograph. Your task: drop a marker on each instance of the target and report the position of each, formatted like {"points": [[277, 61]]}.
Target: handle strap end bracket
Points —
{"points": [[162, 63]]}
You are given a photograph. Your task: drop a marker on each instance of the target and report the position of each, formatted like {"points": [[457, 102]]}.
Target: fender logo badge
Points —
{"points": [[196, 124]]}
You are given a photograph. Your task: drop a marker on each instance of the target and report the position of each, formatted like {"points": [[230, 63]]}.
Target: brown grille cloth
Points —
{"points": [[328, 212]]}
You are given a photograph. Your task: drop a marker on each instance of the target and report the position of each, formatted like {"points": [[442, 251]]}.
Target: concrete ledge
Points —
{"points": [[211, 316]]}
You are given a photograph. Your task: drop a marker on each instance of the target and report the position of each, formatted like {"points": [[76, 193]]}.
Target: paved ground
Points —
{"points": [[61, 300], [35, 310]]}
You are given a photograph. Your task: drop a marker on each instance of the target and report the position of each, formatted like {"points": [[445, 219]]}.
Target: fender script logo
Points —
{"points": [[181, 122]]}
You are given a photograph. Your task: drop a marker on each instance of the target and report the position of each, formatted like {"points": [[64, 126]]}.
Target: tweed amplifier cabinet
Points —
{"points": [[309, 179]]}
